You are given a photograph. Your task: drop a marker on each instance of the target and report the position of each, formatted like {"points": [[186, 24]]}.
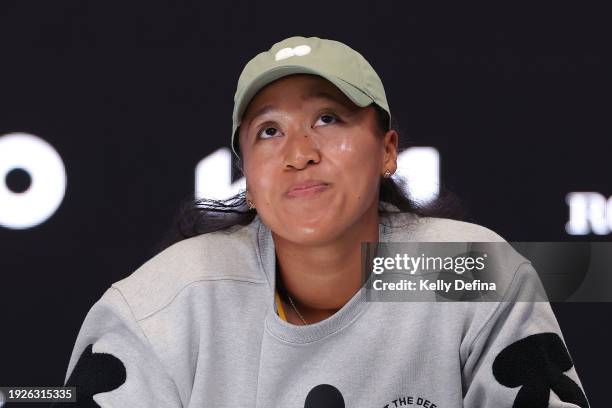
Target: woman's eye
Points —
{"points": [[270, 131], [328, 118], [267, 132]]}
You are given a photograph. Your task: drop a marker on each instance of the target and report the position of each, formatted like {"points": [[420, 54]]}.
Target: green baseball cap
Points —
{"points": [[332, 60]]}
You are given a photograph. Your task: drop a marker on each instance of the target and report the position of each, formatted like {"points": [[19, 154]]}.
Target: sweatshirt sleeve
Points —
{"points": [[519, 357], [113, 364]]}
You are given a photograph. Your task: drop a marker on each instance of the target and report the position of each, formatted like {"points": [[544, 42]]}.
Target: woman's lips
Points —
{"points": [[309, 191]]}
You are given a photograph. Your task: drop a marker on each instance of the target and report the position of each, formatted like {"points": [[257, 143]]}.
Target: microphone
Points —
{"points": [[324, 396]]}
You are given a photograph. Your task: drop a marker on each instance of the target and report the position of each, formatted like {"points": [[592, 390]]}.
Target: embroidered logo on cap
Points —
{"points": [[297, 51]]}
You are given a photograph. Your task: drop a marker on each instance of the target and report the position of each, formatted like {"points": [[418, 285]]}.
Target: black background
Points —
{"points": [[133, 94]]}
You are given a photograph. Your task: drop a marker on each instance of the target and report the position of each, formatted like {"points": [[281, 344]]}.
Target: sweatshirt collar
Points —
{"points": [[289, 332]]}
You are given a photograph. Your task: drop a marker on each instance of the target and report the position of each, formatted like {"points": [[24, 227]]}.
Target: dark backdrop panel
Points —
{"points": [[133, 94]]}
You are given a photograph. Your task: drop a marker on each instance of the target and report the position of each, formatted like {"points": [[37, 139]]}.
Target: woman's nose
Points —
{"points": [[301, 147]]}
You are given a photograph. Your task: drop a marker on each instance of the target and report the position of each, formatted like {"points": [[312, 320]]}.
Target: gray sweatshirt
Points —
{"points": [[196, 326]]}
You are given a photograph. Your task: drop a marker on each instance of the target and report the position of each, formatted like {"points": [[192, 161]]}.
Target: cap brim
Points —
{"points": [[354, 94], [358, 97]]}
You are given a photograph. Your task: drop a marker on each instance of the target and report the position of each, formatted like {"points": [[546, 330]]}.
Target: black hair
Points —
{"points": [[203, 215]]}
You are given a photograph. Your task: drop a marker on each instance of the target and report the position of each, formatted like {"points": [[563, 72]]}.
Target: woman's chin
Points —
{"points": [[308, 237], [312, 220], [311, 233]]}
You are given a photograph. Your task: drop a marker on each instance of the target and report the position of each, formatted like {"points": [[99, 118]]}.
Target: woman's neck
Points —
{"points": [[322, 279]]}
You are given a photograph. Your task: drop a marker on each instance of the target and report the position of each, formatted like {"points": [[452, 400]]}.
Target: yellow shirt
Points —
{"points": [[279, 306]]}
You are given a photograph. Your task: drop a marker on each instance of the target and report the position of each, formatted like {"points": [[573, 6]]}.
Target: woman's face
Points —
{"points": [[302, 129]]}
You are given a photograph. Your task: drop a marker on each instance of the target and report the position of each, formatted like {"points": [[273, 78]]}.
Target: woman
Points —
{"points": [[266, 306]]}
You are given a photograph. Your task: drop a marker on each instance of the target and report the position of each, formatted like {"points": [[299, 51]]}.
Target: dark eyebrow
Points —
{"points": [[311, 95]]}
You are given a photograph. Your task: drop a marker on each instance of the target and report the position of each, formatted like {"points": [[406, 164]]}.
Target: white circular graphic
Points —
{"points": [[301, 50], [2, 399], [287, 52], [48, 180]]}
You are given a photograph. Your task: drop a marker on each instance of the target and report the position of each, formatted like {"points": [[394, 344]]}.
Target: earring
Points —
{"points": [[249, 202], [387, 174]]}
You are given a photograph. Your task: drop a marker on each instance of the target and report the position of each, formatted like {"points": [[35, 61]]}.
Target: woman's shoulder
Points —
{"points": [[447, 229], [409, 226], [438, 235], [412, 227], [229, 254]]}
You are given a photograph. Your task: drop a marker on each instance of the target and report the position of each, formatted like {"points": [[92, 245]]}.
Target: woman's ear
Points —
{"points": [[391, 142]]}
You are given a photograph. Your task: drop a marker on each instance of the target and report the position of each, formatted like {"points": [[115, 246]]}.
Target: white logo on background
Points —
{"points": [[48, 180], [590, 212], [213, 176], [419, 167], [297, 51]]}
